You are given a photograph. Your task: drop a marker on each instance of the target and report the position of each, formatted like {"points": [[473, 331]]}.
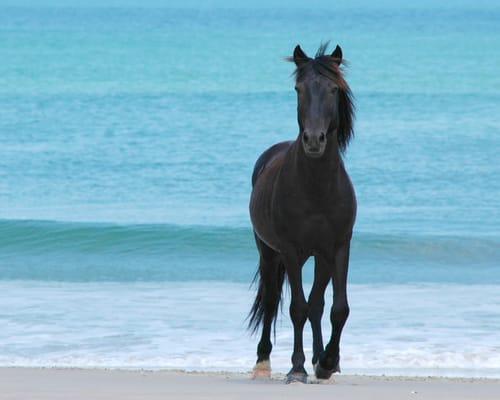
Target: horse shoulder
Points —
{"points": [[267, 157]]}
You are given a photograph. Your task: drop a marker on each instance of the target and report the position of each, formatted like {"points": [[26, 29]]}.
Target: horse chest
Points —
{"points": [[314, 225], [315, 229], [311, 232]]}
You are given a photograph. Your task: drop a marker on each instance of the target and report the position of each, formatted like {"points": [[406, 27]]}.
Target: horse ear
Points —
{"points": [[337, 54], [299, 57]]}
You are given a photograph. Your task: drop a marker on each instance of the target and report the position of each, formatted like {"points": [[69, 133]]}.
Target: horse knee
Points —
{"points": [[316, 309], [339, 313], [299, 312]]}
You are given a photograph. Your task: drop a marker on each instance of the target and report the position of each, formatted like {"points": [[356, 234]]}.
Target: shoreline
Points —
{"points": [[229, 373], [82, 383]]}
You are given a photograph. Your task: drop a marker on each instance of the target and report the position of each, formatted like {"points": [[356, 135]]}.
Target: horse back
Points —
{"points": [[269, 155]]}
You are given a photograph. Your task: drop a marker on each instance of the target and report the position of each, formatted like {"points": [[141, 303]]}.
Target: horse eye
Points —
{"points": [[335, 89], [296, 88]]}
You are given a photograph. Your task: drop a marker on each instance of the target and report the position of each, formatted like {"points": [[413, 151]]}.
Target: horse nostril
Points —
{"points": [[322, 137], [306, 137]]}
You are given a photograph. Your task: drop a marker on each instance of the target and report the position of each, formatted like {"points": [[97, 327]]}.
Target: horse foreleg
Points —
{"points": [[316, 303], [328, 362], [298, 314]]}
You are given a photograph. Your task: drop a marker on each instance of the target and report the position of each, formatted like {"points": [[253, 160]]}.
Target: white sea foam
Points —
{"points": [[430, 329]]}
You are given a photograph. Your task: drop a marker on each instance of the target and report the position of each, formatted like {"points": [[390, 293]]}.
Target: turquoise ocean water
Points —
{"points": [[128, 133]]}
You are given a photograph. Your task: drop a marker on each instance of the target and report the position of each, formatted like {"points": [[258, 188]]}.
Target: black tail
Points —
{"points": [[268, 296]]}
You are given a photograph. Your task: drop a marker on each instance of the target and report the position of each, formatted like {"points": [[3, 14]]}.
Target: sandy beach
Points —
{"points": [[51, 383]]}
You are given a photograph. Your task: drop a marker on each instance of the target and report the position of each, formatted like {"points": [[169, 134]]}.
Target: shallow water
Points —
{"points": [[415, 329], [128, 134]]}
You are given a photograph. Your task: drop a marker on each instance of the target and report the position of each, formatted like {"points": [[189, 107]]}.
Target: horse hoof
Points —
{"points": [[296, 377], [322, 373], [262, 370]]}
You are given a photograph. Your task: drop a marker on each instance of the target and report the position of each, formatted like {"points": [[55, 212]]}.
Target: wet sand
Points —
{"points": [[80, 384]]}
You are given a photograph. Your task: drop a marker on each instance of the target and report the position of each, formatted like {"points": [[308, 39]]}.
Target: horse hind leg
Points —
{"points": [[265, 308]]}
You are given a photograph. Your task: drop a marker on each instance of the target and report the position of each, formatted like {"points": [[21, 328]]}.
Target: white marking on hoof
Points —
{"points": [[262, 370]]}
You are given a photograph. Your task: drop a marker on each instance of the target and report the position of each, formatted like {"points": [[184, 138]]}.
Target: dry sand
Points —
{"points": [[80, 384]]}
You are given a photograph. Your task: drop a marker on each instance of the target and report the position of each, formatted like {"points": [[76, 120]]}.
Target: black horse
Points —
{"points": [[303, 204]]}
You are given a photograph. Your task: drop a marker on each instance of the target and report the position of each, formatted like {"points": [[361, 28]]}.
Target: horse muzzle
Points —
{"points": [[314, 144]]}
